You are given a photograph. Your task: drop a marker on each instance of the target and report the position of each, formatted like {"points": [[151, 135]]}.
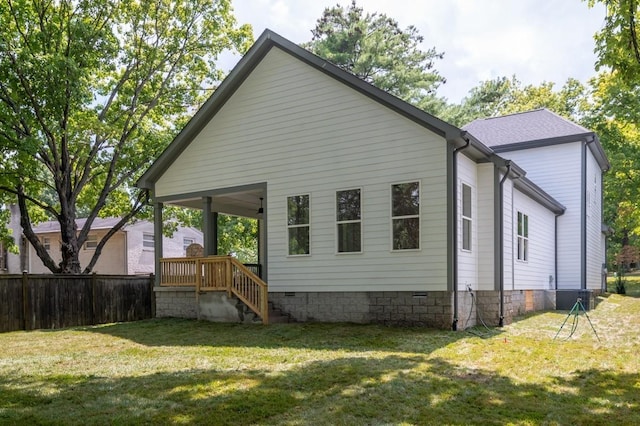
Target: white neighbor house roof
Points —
{"points": [[98, 223]]}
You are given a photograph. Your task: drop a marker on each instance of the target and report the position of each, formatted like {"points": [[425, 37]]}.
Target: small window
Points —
{"points": [[298, 225], [186, 242], [523, 237], [349, 221], [46, 243], [466, 217], [148, 242], [405, 216], [91, 242]]}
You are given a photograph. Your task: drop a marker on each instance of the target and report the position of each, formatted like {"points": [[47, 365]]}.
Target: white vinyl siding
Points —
{"points": [[485, 227], [557, 169], [535, 272], [467, 257], [307, 133], [595, 259]]}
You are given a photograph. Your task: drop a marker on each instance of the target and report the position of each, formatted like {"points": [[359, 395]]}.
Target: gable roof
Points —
{"points": [[531, 129], [268, 40]]}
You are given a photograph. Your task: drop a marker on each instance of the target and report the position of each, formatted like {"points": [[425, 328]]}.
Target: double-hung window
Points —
{"points": [[46, 243], [467, 222], [405, 216], [523, 237], [148, 241], [349, 221], [186, 242], [298, 225]]}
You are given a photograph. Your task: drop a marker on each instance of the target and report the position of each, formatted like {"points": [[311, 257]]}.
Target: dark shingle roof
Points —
{"points": [[536, 125]]}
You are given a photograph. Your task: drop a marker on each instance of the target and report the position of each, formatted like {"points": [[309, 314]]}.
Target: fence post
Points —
{"points": [[25, 301], [94, 299]]}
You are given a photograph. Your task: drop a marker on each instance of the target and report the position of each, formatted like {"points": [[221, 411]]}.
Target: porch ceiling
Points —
{"points": [[245, 203]]}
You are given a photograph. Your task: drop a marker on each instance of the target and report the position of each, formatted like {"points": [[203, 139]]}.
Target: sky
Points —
{"points": [[535, 40]]}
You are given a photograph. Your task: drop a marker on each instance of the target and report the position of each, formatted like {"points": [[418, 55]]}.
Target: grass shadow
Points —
{"points": [[318, 336], [351, 390]]}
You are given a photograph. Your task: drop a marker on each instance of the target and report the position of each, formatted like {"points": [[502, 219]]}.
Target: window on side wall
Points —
{"points": [[298, 228], [405, 216], [467, 222], [523, 237], [349, 221], [91, 242], [148, 241], [186, 242], [46, 243]]}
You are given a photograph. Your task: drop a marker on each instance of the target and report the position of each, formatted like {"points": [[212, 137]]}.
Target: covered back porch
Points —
{"points": [[213, 271]]}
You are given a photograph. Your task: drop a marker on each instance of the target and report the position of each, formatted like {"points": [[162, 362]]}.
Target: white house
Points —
{"points": [[375, 211], [129, 252]]}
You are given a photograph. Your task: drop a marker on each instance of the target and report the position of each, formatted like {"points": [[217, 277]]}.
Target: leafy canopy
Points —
{"points": [[91, 91], [374, 47]]}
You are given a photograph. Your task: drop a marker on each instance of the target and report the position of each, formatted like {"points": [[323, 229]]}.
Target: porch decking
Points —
{"points": [[218, 273]]}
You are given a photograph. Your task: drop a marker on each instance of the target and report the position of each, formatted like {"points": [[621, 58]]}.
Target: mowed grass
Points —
{"points": [[171, 371]]}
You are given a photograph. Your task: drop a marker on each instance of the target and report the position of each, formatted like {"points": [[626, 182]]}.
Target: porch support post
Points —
{"points": [[214, 232], [157, 240], [209, 226]]}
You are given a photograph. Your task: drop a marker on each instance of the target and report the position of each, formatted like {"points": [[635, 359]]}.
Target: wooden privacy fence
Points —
{"points": [[29, 302]]}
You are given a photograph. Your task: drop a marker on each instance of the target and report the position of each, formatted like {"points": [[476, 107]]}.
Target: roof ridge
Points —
{"points": [[516, 113]]}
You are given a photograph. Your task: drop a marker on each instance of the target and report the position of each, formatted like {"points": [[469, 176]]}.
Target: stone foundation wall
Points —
{"points": [[432, 309], [178, 302]]}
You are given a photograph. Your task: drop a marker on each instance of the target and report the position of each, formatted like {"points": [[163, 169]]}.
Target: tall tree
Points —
{"points": [[502, 96], [90, 94], [374, 47], [618, 43]]}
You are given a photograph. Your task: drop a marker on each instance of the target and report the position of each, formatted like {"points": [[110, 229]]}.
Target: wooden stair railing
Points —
{"points": [[218, 273]]}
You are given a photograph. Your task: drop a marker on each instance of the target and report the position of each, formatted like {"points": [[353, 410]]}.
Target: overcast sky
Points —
{"points": [[537, 40]]}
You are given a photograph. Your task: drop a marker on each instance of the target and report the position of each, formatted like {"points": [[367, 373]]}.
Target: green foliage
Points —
{"points": [[617, 43], [621, 284], [374, 47], [90, 94], [504, 95]]}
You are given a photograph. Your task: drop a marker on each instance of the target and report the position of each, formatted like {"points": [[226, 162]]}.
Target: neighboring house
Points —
{"points": [[129, 251], [375, 211]]}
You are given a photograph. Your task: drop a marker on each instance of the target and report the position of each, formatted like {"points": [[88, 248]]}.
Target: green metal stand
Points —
{"points": [[575, 311]]}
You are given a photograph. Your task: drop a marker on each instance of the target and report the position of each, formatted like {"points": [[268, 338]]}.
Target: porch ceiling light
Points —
{"points": [[261, 209]]}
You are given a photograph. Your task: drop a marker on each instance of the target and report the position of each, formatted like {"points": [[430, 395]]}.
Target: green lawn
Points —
{"points": [[632, 285], [188, 372]]}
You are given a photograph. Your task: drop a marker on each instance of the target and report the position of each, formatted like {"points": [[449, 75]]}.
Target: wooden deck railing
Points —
{"points": [[218, 273]]}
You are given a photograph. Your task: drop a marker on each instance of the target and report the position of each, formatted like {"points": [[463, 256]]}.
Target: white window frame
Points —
{"points": [[46, 243], [298, 225], [186, 242], [344, 222], [146, 236], [91, 242], [522, 237], [412, 216], [466, 219]]}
